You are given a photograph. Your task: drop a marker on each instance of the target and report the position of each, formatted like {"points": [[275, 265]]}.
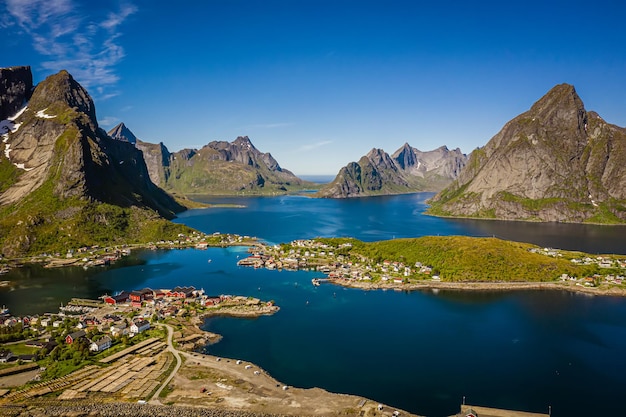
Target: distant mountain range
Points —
{"points": [[407, 170], [219, 167], [555, 162], [64, 183]]}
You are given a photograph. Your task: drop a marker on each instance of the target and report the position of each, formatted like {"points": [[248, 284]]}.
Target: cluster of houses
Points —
{"points": [[148, 296], [604, 262], [163, 302], [313, 254], [88, 256]]}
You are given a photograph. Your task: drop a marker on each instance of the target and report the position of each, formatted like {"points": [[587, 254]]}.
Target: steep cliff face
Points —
{"points": [[407, 170], [157, 158], [64, 165], [16, 85], [555, 162]]}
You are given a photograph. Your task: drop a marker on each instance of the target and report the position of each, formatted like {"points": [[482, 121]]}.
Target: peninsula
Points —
{"points": [[135, 353]]}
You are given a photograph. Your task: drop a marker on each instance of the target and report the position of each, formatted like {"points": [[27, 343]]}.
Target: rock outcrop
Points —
{"points": [[407, 170], [157, 158], [555, 162], [16, 85], [57, 163]]}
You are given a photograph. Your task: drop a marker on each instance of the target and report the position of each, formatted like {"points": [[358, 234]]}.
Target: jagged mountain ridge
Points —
{"points": [[228, 167], [220, 167], [555, 162], [60, 169], [407, 170]]}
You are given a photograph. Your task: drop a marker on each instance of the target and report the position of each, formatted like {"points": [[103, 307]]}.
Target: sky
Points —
{"points": [[319, 83]]}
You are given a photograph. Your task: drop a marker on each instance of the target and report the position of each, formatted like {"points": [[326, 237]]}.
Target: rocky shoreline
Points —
{"points": [[481, 286], [92, 409]]}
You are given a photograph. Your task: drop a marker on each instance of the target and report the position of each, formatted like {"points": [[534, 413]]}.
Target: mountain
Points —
{"points": [[64, 183], [229, 167], [555, 162], [407, 170], [219, 167], [121, 132]]}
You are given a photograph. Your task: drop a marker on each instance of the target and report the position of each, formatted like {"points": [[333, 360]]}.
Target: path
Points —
{"points": [[170, 347]]}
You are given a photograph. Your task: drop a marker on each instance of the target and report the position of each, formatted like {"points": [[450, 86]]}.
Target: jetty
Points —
{"points": [[478, 411], [318, 281]]}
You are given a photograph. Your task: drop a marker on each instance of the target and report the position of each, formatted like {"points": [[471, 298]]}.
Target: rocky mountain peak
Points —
{"points": [[243, 141], [554, 162], [561, 106], [121, 132], [61, 88], [407, 170]]}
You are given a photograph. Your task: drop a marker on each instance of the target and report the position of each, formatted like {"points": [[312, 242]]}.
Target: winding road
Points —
{"points": [[179, 362]]}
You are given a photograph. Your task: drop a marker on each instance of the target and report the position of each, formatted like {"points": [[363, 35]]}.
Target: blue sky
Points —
{"points": [[320, 83]]}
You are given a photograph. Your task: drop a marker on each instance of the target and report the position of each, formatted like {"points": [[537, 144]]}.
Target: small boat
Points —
{"points": [[315, 282], [5, 311], [210, 260]]}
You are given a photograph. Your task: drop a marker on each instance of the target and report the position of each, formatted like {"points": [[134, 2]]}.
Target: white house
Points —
{"points": [[100, 345], [119, 329], [139, 326]]}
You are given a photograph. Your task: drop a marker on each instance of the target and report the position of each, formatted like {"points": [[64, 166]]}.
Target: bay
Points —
{"points": [[418, 351]]}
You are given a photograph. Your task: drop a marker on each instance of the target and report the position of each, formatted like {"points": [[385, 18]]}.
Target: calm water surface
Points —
{"points": [[418, 351]]}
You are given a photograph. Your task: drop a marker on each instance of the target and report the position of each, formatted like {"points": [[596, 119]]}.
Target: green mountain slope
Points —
{"points": [[65, 183]]}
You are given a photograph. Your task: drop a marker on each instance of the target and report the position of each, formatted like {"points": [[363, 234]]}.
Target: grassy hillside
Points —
{"points": [[45, 223], [462, 258]]}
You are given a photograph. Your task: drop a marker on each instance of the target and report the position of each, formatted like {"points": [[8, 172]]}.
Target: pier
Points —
{"points": [[477, 411], [318, 281]]}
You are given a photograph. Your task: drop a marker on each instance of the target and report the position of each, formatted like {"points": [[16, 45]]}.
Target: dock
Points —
{"points": [[318, 281], [478, 411]]}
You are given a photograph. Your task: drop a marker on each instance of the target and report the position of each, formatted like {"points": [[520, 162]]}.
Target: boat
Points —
{"points": [[315, 282], [5, 311]]}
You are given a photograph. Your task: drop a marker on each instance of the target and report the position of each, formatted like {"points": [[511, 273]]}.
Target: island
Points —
{"points": [[445, 262]]}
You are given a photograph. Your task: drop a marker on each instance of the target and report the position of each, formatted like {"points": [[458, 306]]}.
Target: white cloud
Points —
{"points": [[311, 146], [75, 38], [108, 121]]}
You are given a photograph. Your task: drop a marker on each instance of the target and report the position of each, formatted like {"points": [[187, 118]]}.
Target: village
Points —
{"points": [[125, 314], [93, 256], [315, 255], [595, 280], [312, 254], [133, 352]]}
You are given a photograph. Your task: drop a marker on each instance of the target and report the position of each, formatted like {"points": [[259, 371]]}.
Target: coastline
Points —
{"points": [[481, 286]]}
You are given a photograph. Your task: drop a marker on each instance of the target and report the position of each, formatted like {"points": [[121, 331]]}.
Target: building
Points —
{"points": [[139, 296], [119, 329], [72, 337], [181, 292], [139, 326], [100, 345], [120, 298]]}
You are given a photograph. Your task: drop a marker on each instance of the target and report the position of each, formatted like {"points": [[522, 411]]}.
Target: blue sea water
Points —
{"points": [[419, 351]]}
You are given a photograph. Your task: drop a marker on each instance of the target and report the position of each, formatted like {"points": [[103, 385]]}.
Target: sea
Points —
{"points": [[423, 351]]}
